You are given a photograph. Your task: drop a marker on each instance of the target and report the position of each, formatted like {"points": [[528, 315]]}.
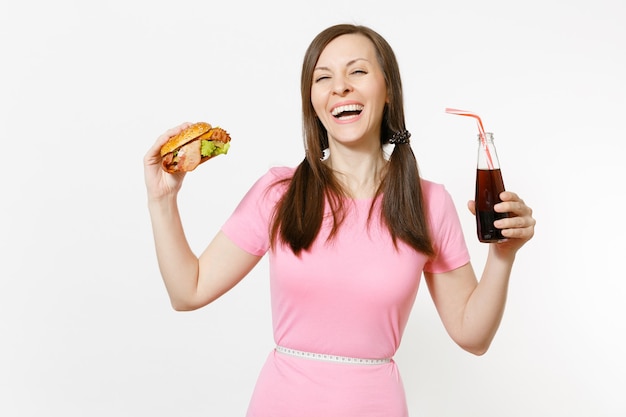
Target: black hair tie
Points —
{"points": [[399, 138]]}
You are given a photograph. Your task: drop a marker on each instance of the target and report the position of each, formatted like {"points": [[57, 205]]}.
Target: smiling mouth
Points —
{"points": [[348, 111]]}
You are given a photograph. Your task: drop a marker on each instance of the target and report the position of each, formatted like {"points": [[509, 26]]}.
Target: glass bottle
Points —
{"points": [[489, 185]]}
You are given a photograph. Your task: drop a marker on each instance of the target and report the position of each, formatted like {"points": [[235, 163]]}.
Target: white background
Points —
{"points": [[86, 87]]}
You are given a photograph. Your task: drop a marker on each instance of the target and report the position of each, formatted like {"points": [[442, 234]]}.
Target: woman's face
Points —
{"points": [[348, 91]]}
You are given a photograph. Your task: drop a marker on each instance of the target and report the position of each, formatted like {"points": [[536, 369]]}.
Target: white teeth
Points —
{"points": [[350, 107]]}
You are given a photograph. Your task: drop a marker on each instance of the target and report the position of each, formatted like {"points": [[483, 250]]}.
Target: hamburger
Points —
{"points": [[193, 146]]}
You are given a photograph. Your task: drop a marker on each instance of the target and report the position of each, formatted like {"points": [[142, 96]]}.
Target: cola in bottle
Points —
{"points": [[489, 185]]}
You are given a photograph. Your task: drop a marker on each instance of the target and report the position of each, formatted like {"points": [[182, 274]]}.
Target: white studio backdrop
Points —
{"points": [[86, 87]]}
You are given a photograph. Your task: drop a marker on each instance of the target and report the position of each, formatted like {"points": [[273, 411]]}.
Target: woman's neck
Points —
{"points": [[360, 174]]}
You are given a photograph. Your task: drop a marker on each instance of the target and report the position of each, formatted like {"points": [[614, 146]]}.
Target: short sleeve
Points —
{"points": [[446, 232], [249, 224]]}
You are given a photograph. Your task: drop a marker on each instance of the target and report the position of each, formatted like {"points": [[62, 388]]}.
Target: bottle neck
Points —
{"points": [[487, 155]]}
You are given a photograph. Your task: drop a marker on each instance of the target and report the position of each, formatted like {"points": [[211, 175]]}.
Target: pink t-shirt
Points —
{"points": [[350, 296]]}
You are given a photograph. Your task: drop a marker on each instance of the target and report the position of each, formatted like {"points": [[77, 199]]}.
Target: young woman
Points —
{"points": [[349, 233]]}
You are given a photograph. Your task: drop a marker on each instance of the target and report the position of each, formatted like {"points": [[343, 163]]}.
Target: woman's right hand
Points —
{"points": [[161, 184]]}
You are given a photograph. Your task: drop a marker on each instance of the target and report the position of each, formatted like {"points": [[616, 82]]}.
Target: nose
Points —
{"points": [[341, 86]]}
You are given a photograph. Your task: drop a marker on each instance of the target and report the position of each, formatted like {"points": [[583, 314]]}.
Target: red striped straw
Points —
{"points": [[481, 130]]}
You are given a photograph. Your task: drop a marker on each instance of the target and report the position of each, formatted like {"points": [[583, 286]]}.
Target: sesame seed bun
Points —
{"points": [[186, 135]]}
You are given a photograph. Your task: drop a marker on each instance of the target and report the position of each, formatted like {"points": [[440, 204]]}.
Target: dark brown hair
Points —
{"points": [[299, 214]]}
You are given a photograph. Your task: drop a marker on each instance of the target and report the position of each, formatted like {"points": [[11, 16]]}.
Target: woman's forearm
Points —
{"points": [[485, 307], [177, 262]]}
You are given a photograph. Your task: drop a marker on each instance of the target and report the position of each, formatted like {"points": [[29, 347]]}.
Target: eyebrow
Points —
{"points": [[347, 65]]}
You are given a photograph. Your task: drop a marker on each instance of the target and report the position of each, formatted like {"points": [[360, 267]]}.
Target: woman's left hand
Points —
{"points": [[519, 227]]}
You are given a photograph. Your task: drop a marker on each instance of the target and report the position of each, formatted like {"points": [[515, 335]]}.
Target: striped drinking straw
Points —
{"points": [[481, 130]]}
